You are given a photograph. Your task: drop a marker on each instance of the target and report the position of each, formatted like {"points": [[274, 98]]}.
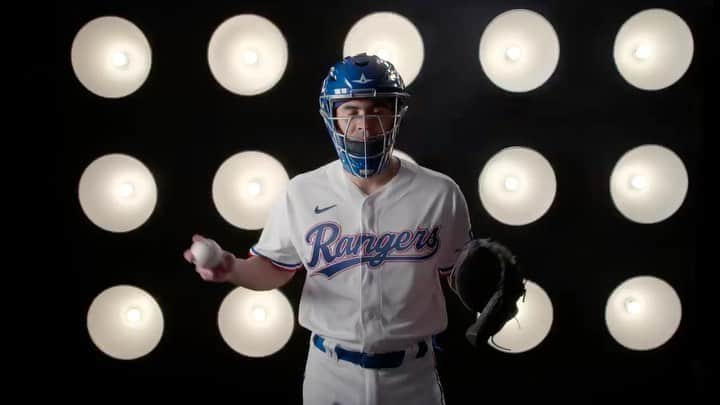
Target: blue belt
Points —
{"points": [[371, 360]]}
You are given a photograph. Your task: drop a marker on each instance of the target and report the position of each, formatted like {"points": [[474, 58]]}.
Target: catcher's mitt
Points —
{"points": [[488, 281]]}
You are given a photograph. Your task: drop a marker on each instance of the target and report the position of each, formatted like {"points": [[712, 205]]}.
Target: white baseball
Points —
{"points": [[207, 253]]}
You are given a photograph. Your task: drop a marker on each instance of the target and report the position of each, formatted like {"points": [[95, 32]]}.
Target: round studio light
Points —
{"points": [[648, 184], [246, 186], [250, 57], [256, 323], [653, 49], [512, 183], [513, 53], [642, 52], [531, 324], [125, 322], [120, 59], [247, 54], [517, 186], [254, 188], [117, 193], [632, 306], [126, 190], [639, 182], [643, 313], [134, 315], [390, 36], [111, 57], [384, 53], [519, 50]]}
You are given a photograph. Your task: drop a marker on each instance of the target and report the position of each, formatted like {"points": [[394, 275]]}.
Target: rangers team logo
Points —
{"points": [[333, 252], [363, 79]]}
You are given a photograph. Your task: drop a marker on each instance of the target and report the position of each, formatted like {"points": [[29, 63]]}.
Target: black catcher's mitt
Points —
{"points": [[488, 281]]}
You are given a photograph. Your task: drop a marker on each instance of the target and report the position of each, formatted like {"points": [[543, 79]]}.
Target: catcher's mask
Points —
{"points": [[363, 77]]}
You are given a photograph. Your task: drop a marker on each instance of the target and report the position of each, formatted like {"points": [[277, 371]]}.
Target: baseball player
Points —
{"points": [[376, 237]]}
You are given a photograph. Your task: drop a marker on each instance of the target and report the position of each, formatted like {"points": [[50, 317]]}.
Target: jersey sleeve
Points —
{"points": [[275, 243], [455, 232]]}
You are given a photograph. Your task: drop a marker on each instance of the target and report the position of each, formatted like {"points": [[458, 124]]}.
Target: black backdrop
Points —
{"points": [[182, 124]]}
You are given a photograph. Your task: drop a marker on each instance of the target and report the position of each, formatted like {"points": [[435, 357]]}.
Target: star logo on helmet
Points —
{"points": [[363, 79]]}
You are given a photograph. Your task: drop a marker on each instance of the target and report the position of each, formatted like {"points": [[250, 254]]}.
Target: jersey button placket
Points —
{"points": [[370, 290], [362, 269], [367, 276]]}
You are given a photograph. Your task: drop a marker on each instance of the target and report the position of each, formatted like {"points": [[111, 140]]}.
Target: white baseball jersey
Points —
{"points": [[374, 262]]}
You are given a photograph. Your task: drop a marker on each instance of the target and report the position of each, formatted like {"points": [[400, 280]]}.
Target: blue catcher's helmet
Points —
{"points": [[367, 77]]}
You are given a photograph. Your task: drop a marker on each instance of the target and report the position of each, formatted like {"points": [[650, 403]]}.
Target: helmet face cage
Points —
{"points": [[363, 77], [367, 154]]}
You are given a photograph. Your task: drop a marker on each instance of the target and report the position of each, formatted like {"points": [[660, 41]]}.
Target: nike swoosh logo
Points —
{"points": [[319, 210]]}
